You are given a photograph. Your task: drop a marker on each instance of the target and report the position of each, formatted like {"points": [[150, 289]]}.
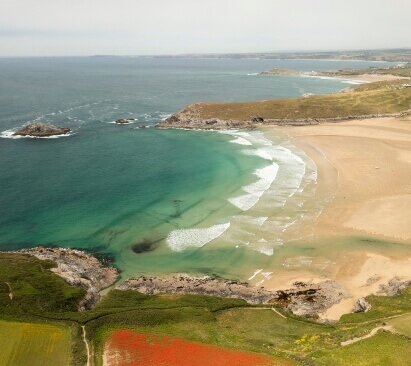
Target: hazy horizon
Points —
{"points": [[158, 27]]}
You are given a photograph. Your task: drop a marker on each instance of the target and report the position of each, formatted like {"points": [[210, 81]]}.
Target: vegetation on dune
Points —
{"points": [[368, 99]]}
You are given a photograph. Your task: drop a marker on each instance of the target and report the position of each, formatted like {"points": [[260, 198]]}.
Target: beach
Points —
{"points": [[371, 78], [364, 167]]}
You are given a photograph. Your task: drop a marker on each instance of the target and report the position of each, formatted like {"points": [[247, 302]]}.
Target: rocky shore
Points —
{"points": [[38, 129], [78, 269], [276, 71], [305, 299], [302, 298], [189, 118]]}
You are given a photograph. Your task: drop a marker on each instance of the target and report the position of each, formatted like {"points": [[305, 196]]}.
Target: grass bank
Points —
{"points": [[375, 98]]}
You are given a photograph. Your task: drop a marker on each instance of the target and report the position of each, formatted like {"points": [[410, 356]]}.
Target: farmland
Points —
{"points": [[34, 344], [147, 349], [41, 318]]}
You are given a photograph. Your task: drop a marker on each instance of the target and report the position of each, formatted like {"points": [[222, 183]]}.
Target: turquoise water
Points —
{"points": [[108, 187]]}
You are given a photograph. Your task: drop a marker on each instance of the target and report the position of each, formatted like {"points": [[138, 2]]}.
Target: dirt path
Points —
{"points": [[10, 293], [278, 313], [83, 327], [380, 319], [369, 335]]}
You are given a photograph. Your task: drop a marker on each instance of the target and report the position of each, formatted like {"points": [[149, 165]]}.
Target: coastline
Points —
{"points": [[363, 172], [368, 163]]}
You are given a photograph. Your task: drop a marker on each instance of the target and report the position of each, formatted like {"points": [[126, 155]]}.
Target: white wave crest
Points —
{"points": [[256, 190], [241, 141], [178, 240], [255, 274], [258, 152], [354, 82]]}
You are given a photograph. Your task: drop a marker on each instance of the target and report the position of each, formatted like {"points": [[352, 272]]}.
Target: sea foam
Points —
{"points": [[9, 134], [256, 190], [241, 141], [178, 240]]}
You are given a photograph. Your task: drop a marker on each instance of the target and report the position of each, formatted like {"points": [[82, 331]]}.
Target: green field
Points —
{"points": [[374, 98], [33, 344], [382, 349], [402, 325]]}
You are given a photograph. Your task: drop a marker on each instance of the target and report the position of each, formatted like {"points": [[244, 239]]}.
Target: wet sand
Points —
{"points": [[365, 168]]}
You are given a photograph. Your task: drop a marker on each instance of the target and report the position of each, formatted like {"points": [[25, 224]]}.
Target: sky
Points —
{"points": [[159, 27]]}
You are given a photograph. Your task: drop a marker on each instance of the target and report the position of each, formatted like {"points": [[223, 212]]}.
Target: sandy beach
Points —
{"points": [[372, 78], [368, 162]]}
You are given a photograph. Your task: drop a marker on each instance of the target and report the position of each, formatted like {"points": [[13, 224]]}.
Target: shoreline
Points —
{"points": [[371, 159], [352, 160]]}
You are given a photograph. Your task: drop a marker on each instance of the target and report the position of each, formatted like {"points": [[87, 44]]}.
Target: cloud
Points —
{"points": [[184, 26]]}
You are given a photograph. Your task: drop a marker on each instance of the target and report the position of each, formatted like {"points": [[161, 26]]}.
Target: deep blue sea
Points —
{"points": [[184, 200]]}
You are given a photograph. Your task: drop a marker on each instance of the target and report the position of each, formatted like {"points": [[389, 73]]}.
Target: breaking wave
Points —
{"points": [[179, 240]]}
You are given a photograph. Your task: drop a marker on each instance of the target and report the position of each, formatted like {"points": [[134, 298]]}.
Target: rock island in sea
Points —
{"points": [[39, 129]]}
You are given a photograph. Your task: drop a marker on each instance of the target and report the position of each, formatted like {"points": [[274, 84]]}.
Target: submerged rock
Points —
{"points": [[146, 245], [39, 129]]}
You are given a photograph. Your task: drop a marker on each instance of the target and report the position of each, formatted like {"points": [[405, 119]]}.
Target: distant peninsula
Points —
{"points": [[386, 55]]}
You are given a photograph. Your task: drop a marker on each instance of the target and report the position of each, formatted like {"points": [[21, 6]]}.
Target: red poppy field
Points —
{"points": [[126, 348]]}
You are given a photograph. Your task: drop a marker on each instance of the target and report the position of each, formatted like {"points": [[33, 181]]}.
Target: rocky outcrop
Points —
{"points": [[78, 269], [185, 284], [310, 299], [189, 118], [123, 121], [305, 299], [362, 306], [39, 129], [276, 71], [393, 287]]}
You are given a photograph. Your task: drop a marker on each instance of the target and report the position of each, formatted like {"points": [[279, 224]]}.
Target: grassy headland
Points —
{"points": [[380, 98]]}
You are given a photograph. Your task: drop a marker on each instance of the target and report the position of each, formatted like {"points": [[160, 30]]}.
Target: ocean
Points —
{"points": [[156, 201]]}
